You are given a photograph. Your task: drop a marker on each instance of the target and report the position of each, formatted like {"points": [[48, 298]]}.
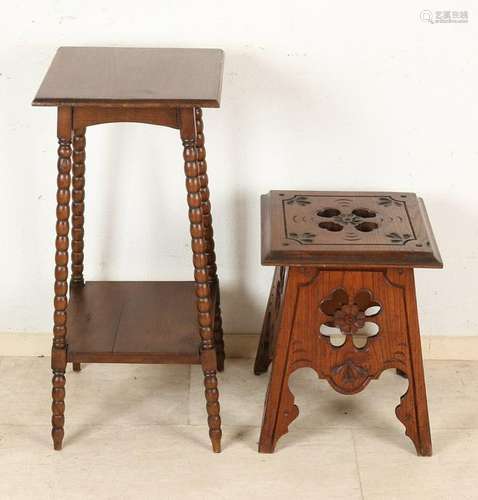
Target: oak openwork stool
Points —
{"points": [[342, 299], [121, 321]]}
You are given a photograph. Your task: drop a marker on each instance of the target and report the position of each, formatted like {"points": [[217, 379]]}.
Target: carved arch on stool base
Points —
{"points": [[287, 412], [347, 368]]}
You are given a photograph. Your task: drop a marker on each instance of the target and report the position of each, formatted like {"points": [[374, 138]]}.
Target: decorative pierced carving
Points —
{"points": [[317, 219], [350, 318], [356, 218], [196, 189], [78, 207], [349, 368]]}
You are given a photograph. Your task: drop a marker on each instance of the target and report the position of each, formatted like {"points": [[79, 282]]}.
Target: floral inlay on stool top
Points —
{"points": [[343, 228]]}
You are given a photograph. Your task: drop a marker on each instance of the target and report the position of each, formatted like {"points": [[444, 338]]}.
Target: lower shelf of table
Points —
{"points": [[133, 322]]}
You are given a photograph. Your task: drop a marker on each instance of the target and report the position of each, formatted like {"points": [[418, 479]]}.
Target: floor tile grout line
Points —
{"points": [[357, 465]]}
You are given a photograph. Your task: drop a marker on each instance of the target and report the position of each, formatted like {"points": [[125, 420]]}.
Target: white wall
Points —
{"points": [[317, 95]]}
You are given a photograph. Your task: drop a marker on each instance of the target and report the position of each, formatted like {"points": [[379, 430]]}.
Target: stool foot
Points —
{"points": [[416, 423], [276, 423], [413, 408], [77, 367], [266, 447]]}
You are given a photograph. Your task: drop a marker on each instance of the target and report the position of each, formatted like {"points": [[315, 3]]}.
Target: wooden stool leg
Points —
{"points": [[77, 367], [413, 409], [58, 356], [263, 361], [279, 409], [263, 358], [209, 237], [201, 275]]}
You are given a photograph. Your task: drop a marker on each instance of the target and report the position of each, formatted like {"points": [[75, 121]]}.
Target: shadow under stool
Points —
{"points": [[343, 299]]}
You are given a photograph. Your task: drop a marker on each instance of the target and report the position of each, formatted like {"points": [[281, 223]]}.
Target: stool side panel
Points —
{"points": [[347, 368]]}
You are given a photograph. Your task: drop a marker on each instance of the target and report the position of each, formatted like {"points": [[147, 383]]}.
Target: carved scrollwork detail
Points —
{"points": [[405, 413], [348, 376], [299, 200]]}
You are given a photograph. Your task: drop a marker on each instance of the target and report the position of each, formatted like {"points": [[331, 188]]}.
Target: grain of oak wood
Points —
{"points": [[365, 229], [130, 321], [133, 77], [134, 322], [312, 289]]}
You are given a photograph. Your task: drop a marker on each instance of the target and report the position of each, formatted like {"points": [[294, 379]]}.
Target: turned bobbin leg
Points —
{"points": [[199, 245], [58, 356], [78, 212], [209, 237], [78, 207]]}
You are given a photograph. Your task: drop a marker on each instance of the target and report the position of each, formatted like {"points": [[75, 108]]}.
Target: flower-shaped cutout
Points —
{"points": [[356, 218], [349, 318]]}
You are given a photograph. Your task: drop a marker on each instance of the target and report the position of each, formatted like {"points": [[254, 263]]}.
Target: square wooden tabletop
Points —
{"points": [[131, 77], [330, 228]]}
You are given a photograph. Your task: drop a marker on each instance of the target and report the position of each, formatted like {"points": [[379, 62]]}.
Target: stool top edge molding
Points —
{"points": [[347, 229], [133, 77]]}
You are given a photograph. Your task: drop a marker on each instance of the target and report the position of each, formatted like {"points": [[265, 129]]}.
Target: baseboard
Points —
{"points": [[244, 346]]}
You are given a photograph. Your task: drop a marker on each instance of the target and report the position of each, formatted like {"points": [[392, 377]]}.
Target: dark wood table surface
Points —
{"points": [[132, 77]]}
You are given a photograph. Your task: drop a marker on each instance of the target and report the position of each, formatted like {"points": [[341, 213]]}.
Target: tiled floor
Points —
{"points": [[139, 432]]}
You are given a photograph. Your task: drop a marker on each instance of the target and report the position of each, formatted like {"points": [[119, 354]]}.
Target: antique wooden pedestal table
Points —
{"points": [[134, 322], [343, 298]]}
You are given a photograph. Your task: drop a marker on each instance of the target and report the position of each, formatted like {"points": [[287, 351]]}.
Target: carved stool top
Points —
{"points": [[356, 229], [113, 76]]}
